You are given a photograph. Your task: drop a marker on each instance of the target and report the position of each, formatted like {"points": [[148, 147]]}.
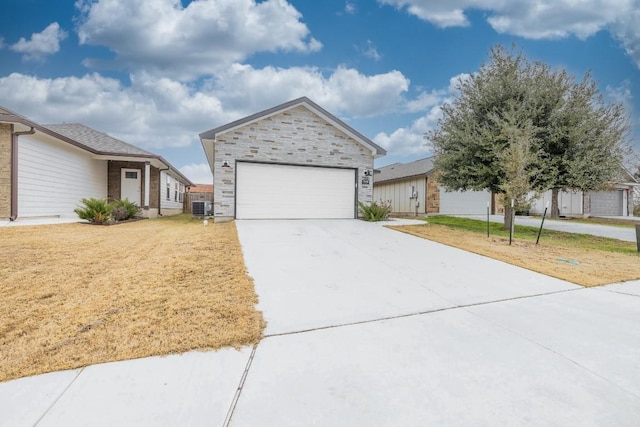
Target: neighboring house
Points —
{"points": [[201, 192], [45, 170], [295, 160], [198, 193], [412, 189], [616, 201]]}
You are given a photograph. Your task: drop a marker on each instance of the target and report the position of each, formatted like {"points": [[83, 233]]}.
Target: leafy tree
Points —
{"points": [[573, 138]]}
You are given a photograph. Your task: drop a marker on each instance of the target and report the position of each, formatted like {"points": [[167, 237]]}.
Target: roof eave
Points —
{"points": [[212, 134]]}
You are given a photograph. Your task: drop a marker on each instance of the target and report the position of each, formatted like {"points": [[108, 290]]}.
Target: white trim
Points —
{"points": [[277, 191], [147, 184]]}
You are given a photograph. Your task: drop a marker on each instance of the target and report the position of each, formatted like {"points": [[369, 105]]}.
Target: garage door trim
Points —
{"points": [[310, 166]]}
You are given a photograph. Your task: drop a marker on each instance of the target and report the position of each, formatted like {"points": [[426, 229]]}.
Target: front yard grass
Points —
{"points": [[77, 294], [578, 258]]}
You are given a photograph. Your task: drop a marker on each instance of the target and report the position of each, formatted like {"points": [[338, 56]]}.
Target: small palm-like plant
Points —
{"points": [[126, 209], [375, 211], [97, 211]]}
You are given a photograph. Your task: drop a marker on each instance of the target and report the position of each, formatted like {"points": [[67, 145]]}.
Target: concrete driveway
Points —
{"points": [[368, 326]]}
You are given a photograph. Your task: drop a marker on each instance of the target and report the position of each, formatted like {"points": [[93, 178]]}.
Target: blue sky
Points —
{"points": [[156, 73]]}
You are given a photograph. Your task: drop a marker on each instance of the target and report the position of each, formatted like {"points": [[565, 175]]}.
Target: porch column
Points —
{"points": [[147, 184]]}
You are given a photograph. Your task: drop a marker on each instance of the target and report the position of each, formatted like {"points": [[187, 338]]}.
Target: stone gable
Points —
{"points": [[296, 137]]}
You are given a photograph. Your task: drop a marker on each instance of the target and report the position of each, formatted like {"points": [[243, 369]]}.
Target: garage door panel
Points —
{"points": [[463, 202], [268, 191], [607, 203]]}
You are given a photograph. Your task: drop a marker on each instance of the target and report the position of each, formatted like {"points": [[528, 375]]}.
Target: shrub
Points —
{"points": [[119, 213], [375, 211], [97, 211], [126, 209]]}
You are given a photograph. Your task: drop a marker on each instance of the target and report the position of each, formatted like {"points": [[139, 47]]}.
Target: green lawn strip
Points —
{"points": [[523, 232], [622, 223]]}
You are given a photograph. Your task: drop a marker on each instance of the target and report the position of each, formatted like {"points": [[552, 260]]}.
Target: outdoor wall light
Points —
{"points": [[367, 172], [225, 164]]}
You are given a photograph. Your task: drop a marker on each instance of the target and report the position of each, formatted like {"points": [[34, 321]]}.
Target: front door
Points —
{"points": [[130, 185]]}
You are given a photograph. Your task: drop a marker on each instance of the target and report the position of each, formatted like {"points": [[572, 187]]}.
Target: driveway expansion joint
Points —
{"points": [[44, 414], [243, 378], [419, 313]]}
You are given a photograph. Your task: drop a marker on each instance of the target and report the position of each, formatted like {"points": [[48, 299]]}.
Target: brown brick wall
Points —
{"points": [[115, 175], [433, 195], [154, 174], [5, 170]]}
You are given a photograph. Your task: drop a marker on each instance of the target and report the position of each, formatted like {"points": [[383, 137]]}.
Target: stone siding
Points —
{"points": [[433, 195], [296, 137], [5, 170]]}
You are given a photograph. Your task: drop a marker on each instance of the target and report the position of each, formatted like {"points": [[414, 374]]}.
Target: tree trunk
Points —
{"points": [[555, 210], [507, 216]]}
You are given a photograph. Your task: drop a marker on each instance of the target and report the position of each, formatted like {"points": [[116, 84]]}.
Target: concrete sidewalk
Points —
{"points": [[368, 326], [40, 221]]}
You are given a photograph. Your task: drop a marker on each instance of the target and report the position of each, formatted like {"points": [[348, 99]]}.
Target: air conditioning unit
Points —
{"points": [[201, 208]]}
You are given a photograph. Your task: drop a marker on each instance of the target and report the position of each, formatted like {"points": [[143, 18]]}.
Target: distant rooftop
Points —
{"points": [[201, 188], [397, 171]]}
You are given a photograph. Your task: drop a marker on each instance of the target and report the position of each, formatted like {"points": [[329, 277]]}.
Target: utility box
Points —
{"points": [[201, 208]]}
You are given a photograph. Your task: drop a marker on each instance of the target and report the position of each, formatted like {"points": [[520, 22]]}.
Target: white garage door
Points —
{"points": [[267, 191], [607, 203], [464, 202]]}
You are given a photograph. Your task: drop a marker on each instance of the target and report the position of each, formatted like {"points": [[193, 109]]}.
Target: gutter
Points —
{"points": [[160, 190], [14, 171]]}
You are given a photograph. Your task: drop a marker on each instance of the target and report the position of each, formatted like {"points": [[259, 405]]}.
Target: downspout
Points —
{"points": [[14, 171], [160, 190]]}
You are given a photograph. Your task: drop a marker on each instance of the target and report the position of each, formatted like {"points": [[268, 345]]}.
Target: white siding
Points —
{"points": [[398, 194], [569, 203], [170, 203], [53, 177], [607, 203], [464, 202]]}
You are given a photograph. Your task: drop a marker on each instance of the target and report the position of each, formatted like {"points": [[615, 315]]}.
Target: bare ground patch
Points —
{"points": [[586, 267], [76, 294]]}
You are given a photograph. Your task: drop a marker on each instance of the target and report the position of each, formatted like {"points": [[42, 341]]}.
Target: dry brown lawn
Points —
{"points": [[594, 267], [78, 294]]}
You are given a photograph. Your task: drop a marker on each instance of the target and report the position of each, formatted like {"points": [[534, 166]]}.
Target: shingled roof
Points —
{"points": [[397, 171], [96, 140], [91, 140]]}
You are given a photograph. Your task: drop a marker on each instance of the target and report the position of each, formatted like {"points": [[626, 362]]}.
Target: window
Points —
{"points": [[175, 196], [131, 175]]}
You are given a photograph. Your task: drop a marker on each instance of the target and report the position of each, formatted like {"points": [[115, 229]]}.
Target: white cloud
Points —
{"points": [[346, 91], [162, 36], [151, 113], [41, 44], [539, 19], [350, 8], [198, 173], [627, 30], [411, 140], [370, 51], [158, 112]]}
